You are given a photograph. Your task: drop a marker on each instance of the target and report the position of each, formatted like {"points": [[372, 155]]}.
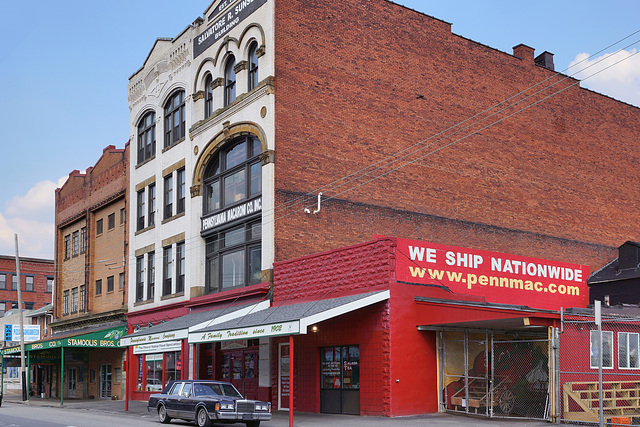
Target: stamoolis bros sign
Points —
{"points": [[224, 23], [499, 278]]}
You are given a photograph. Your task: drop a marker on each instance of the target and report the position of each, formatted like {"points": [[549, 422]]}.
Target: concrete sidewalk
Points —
{"points": [[281, 419]]}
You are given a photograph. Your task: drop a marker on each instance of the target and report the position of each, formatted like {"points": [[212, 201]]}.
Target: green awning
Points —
{"points": [[103, 338]]}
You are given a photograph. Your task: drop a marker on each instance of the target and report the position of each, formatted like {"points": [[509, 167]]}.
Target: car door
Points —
{"points": [[171, 402], [185, 404]]}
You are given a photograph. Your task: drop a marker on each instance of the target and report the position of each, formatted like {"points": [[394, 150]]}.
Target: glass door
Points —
{"points": [[72, 377], [105, 381], [340, 380]]}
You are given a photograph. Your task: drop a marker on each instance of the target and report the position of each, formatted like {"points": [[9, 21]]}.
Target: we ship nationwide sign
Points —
{"points": [[498, 277]]}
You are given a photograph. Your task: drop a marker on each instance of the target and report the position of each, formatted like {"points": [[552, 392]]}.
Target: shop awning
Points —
{"points": [[99, 338], [179, 328], [281, 320]]}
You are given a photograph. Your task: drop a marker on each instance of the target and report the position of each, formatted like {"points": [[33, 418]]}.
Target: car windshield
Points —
{"points": [[213, 389]]}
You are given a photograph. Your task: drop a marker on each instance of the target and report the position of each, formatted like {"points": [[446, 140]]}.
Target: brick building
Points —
{"points": [[36, 280], [292, 142], [81, 359]]}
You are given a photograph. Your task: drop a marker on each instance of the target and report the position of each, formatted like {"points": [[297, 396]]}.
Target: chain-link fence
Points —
{"points": [[495, 375], [593, 394]]}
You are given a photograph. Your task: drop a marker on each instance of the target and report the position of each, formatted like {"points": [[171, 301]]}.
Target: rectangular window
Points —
{"points": [[14, 282], [180, 267], [83, 240], [67, 246], [152, 204], [29, 305], [167, 271], [628, 350], [123, 216], [141, 210], [74, 300], [83, 297], [151, 275], [607, 349], [75, 243], [49, 284], [3, 281], [28, 286], [139, 278], [111, 221], [181, 188], [99, 287], [99, 227], [110, 284], [65, 302], [121, 281], [168, 196]]}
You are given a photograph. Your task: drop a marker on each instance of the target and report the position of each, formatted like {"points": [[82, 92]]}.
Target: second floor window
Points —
{"points": [[174, 123], [49, 284], [111, 221], [75, 241], [28, 285], [152, 204], [167, 271], [83, 297], [141, 210], [110, 284], [3, 281], [99, 287], [253, 66], [229, 81], [208, 96], [147, 137], [65, 302], [139, 278], [180, 267], [181, 189], [151, 275], [168, 196], [99, 226], [74, 300], [67, 246]]}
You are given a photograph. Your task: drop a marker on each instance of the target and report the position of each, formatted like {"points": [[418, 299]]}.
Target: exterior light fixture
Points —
{"points": [[314, 329]]}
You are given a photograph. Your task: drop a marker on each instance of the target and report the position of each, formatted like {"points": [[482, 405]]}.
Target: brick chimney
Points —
{"points": [[523, 51], [545, 59]]}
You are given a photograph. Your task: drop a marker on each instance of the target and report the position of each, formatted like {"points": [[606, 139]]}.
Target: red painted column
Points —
{"points": [[291, 388], [127, 384]]}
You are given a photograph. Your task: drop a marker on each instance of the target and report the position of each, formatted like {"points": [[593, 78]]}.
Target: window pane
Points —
{"points": [[212, 274], [256, 178], [212, 196], [233, 269], [236, 155], [234, 187], [633, 351], [255, 265], [255, 231], [622, 350], [234, 236]]}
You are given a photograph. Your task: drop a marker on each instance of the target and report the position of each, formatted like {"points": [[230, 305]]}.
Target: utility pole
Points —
{"points": [[22, 367]]}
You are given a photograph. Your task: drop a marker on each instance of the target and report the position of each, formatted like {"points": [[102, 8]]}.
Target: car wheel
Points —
{"points": [[162, 415], [253, 424], [202, 418]]}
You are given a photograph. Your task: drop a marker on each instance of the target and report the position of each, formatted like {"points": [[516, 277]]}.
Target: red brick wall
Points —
{"points": [[356, 269], [546, 182]]}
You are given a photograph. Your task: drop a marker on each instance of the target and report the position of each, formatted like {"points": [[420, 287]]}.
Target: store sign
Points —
{"points": [[154, 338], [31, 333], [237, 212], [224, 23], [498, 277], [271, 330], [106, 338], [159, 347]]}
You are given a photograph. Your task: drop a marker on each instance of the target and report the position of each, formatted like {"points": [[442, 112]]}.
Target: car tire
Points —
{"points": [[253, 423], [202, 418], [162, 415]]}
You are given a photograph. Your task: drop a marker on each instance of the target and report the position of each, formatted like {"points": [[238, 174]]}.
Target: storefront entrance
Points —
{"points": [[340, 380], [105, 382], [495, 375], [240, 367], [72, 377]]}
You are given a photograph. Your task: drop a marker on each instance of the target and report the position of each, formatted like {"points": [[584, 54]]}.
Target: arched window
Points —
{"points": [[147, 137], [253, 65], [208, 96], [174, 126], [232, 189], [229, 81]]}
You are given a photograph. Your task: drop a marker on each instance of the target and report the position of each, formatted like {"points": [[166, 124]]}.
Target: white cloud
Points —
{"points": [[614, 74], [32, 217]]}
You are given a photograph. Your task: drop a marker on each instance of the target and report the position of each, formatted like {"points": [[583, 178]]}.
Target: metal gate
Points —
{"points": [[495, 375]]}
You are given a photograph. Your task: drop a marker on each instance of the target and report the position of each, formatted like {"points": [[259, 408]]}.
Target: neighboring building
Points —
{"points": [[36, 279], [90, 284], [618, 282], [274, 118]]}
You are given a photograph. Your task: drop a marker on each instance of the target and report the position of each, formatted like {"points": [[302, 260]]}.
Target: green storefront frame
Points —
{"points": [[103, 338]]}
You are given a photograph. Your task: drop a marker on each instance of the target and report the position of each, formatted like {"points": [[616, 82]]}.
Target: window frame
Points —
{"points": [[110, 283], [628, 356], [174, 107], [50, 280], [67, 247], [74, 300], [98, 287], [180, 266], [181, 189], [229, 80], [168, 196], [146, 131], [99, 227], [252, 61], [3, 282], [75, 243], [151, 204], [83, 297], [208, 96], [140, 204], [151, 275], [65, 302], [111, 221], [29, 280], [593, 340], [167, 270], [83, 240], [139, 278]]}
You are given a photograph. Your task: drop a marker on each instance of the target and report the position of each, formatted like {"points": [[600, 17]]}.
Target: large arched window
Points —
{"points": [[229, 81], [208, 96], [253, 65], [147, 137], [232, 205], [174, 126]]}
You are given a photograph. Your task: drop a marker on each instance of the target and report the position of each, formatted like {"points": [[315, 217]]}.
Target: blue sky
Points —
{"points": [[65, 65]]}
